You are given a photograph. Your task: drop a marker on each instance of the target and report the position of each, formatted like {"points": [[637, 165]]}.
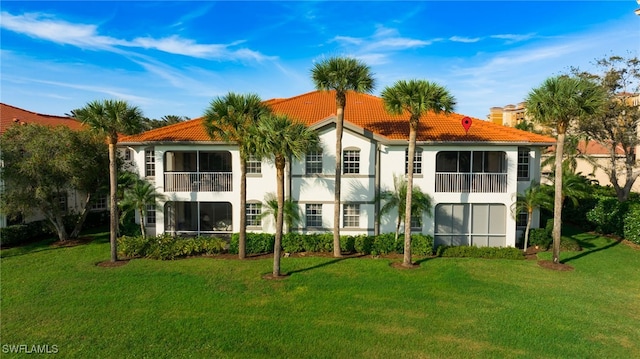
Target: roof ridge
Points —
{"points": [[39, 114]]}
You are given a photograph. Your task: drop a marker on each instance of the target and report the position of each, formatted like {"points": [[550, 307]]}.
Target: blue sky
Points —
{"points": [[173, 58]]}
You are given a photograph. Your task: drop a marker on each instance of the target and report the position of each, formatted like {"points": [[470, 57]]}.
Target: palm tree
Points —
{"points": [[532, 199], [341, 74], [137, 198], [557, 103], [110, 118], [291, 211], [397, 198], [278, 138], [230, 118], [416, 97]]}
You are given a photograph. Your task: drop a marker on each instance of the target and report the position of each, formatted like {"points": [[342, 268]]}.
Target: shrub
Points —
{"points": [[257, 243], [540, 237], [24, 233], [608, 215], [632, 224], [364, 244], [167, 247], [386, 243], [568, 244], [293, 243], [480, 252], [421, 245]]}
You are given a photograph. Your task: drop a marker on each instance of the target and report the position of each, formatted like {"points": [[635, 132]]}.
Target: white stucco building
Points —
{"points": [[472, 176]]}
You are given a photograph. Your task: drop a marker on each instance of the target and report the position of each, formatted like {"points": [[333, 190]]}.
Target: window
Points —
{"points": [[313, 215], [62, 200], [313, 162], [521, 220], [417, 161], [254, 165], [523, 164], [151, 214], [351, 161], [416, 223], [254, 211], [127, 154], [99, 203], [351, 215], [470, 224], [149, 163]]}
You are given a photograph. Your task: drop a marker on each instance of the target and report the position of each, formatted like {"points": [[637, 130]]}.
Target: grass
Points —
{"points": [[327, 308]]}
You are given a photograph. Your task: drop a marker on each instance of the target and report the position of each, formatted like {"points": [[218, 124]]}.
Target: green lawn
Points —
{"points": [[327, 308]]}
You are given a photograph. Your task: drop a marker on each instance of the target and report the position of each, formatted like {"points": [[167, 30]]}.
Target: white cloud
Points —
{"points": [[464, 39], [512, 38]]}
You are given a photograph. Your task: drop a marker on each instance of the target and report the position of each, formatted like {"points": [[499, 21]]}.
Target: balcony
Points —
{"points": [[471, 182], [198, 182]]}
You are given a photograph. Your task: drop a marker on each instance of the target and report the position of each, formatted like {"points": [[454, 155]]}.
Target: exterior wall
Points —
{"points": [[356, 188]]}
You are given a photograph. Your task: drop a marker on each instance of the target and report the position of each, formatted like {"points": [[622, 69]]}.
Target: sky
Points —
{"points": [[174, 58]]}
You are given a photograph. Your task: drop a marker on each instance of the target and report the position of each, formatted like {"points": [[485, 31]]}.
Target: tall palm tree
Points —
{"points": [[230, 118], [415, 97], [278, 138], [557, 103], [397, 198], [527, 202], [137, 198], [341, 74], [291, 211], [110, 118]]}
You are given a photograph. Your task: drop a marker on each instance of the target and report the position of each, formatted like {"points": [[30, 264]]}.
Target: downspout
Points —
{"points": [[376, 180]]}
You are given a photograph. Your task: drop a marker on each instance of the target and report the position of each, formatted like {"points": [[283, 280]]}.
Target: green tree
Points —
{"points": [[558, 103], [341, 74], [533, 198], [167, 120], [231, 118], [39, 172], [137, 198], [397, 198], [616, 128], [416, 98], [291, 211], [111, 118], [278, 138]]}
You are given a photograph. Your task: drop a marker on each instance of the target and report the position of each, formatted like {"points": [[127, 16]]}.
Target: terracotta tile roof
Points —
{"points": [[365, 111], [10, 116]]}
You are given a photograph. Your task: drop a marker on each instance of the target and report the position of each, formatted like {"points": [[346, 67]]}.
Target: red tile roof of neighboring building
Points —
{"points": [[10, 116], [367, 112]]}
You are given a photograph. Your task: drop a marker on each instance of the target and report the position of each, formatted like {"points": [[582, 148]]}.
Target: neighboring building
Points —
{"points": [[473, 177], [510, 115], [14, 116]]}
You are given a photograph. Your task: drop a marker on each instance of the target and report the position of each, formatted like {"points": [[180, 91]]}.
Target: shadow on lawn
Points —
{"points": [[584, 244], [334, 261]]}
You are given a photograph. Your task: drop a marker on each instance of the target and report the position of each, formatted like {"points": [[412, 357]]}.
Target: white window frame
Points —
{"points": [[313, 215], [351, 215]]}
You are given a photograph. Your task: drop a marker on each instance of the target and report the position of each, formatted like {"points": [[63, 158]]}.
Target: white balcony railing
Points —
{"points": [[471, 182], [198, 182]]}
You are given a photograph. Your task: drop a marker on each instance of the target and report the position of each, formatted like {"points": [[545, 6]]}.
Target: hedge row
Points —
{"points": [[256, 243], [480, 252], [610, 216], [168, 247]]}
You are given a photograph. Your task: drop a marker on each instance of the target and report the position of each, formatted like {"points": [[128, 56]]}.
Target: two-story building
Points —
{"points": [[472, 176]]}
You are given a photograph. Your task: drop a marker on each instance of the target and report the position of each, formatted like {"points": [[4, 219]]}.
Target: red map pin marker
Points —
{"points": [[466, 123]]}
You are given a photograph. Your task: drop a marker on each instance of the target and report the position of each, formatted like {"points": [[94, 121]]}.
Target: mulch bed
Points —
{"points": [[72, 242]]}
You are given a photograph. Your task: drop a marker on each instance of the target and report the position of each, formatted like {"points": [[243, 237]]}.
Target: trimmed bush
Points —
{"points": [[632, 224], [608, 215], [540, 237], [480, 252], [257, 243], [24, 233], [167, 247], [421, 245], [568, 244]]}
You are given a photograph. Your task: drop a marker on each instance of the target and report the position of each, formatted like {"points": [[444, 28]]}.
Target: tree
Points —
{"points": [[341, 74], [421, 202], [110, 118], [558, 103], [231, 118], [137, 198], [616, 128], [415, 97], [532, 198], [278, 138], [291, 212], [38, 172], [167, 120]]}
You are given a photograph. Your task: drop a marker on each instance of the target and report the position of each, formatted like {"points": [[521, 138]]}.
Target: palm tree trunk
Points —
{"points": [[242, 234], [113, 199], [277, 245], [526, 230], [413, 127], [557, 201], [336, 201], [142, 231]]}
